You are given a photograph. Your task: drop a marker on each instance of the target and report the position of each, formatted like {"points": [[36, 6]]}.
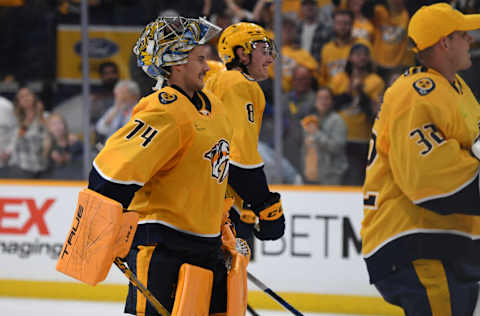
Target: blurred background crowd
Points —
{"points": [[337, 59]]}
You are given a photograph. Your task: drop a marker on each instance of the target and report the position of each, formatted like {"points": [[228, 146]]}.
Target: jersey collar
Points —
{"points": [[199, 100]]}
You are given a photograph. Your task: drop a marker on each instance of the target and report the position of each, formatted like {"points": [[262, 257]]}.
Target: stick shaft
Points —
{"points": [[148, 295], [252, 311], [273, 295]]}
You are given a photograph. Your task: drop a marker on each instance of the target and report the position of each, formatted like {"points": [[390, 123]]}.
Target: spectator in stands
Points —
{"points": [[325, 12], [357, 91], [312, 33], [62, 140], [102, 97], [126, 95], [8, 123], [291, 8], [29, 156], [335, 53], [66, 151], [300, 102], [323, 149], [359, 67], [363, 28], [263, 13], [238, 12], [390, 51], [293, 54], [286, 174]]}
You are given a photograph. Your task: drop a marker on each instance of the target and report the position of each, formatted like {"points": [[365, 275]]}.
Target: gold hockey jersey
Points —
{"points": [[419, 166], [245, 102], [178, 156]]}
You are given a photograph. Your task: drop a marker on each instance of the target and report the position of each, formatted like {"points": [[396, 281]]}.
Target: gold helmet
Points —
{"points": [[243, 35]]}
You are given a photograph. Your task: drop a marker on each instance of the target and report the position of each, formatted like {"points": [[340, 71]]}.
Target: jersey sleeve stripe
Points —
{"points": [[115, 180], [463, 200], [236, 164]]}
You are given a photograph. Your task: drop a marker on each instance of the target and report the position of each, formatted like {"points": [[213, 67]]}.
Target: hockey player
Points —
{"points": [[421, 194], [169, 164], [247, 51]]}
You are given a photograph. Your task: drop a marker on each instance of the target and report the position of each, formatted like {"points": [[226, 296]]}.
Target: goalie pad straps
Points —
{"points": [[194, 291], [100, 232]]}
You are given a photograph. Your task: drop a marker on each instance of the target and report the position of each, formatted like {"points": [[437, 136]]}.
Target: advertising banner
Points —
{"points": [[106, 43], [317, 263]]}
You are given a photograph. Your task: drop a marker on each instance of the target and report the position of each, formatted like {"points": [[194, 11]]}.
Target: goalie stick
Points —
{"points": [[242, 247], [272, 294], [148, 295], [252, 311]]}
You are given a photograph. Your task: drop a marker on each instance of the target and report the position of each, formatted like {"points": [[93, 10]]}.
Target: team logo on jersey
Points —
{"points": [[219, 156], [424, 86], [204, 112], [166, 98]]}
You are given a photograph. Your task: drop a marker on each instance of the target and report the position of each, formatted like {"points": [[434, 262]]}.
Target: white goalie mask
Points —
{"points": [[167, 42]]}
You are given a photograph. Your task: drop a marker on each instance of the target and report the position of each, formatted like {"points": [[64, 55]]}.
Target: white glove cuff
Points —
{"points": [[476, 149]]}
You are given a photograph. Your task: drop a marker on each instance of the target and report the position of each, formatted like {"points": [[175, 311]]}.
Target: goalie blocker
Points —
{"points": [[100, 232]]}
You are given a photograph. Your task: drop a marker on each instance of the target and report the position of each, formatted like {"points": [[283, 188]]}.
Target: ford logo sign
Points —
{"points": [[98, 48]]}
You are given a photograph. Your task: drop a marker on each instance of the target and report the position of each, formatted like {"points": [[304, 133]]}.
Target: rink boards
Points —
{"points": [[316, 266]]}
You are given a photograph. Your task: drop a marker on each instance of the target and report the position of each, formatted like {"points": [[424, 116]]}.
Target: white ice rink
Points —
{"points": [[30, 307]]}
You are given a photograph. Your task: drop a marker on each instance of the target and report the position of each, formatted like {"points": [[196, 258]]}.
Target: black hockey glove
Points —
{"points": [[271, 225]]}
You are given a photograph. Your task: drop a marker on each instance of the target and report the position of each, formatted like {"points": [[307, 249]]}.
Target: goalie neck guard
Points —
{"points": [[167, 42]]}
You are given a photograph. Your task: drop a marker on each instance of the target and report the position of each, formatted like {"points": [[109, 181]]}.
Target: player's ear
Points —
{"points": [[177, 68], [242, 56], [444, 42]]}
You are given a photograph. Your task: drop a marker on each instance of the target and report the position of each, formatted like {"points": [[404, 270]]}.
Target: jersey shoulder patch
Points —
{"points": [[166, 98], [424, 86]]}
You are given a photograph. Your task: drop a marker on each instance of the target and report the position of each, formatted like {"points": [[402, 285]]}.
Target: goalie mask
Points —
{"points": [[167, 42], [244, 35]]}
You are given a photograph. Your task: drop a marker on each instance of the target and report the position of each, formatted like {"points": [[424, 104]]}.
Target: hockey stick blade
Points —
{"points": [[272, 294], [148, 295]]}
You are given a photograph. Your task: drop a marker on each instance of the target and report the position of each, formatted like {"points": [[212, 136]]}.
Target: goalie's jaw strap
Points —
{"points": [[272, 212]]}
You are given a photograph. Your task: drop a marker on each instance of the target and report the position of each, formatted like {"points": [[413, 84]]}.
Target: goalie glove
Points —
{"points": [[271, 225]]}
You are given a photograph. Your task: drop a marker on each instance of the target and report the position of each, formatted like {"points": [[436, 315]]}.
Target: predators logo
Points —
{"points": [[166, 98], [424, 86], [219, 156]]}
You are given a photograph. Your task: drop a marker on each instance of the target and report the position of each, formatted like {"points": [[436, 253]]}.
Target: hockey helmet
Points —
{"points": [[167, 42], [246, 35]]}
